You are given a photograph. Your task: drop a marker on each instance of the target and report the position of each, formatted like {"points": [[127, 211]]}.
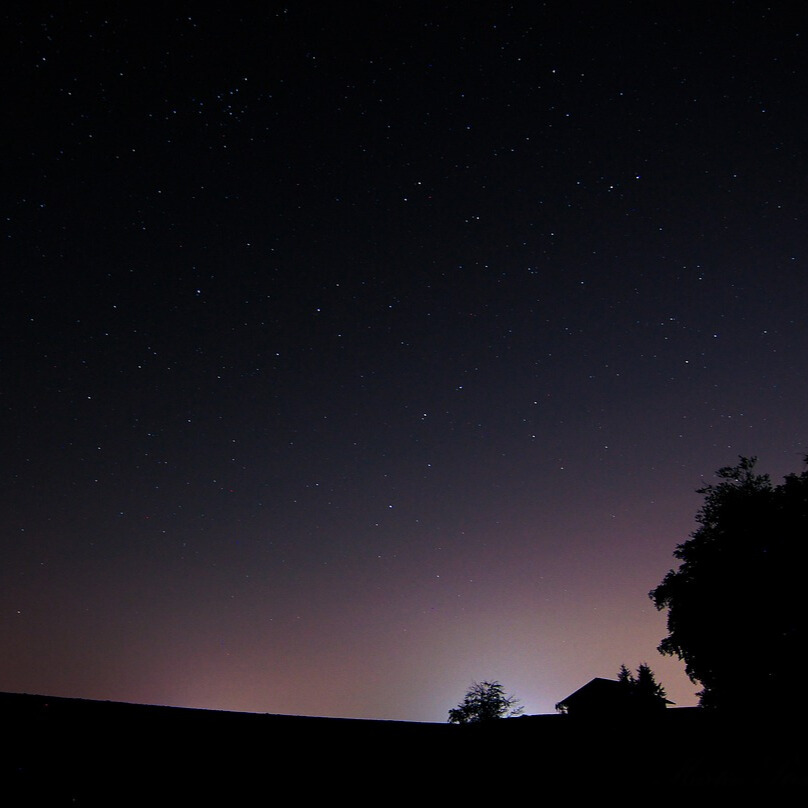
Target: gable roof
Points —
{"points": [[595, 691]]}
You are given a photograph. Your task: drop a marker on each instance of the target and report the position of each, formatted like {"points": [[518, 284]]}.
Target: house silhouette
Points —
{"points": [[608, 697]]}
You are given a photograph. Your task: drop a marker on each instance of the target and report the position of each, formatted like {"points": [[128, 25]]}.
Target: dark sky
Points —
{"points": [[351, 354]]}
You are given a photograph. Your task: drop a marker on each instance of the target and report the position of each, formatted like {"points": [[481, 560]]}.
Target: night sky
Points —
{"points": [[352, 352]]}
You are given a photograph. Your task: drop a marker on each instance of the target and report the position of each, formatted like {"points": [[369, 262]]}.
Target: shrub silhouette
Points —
{"points": [[484, 701]]}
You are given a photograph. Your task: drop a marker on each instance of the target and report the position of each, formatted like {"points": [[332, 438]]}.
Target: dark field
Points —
{"points": [[74, 752]]}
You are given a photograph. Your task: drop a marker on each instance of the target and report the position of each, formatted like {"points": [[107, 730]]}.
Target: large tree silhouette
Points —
{"points": [[736, 604]]}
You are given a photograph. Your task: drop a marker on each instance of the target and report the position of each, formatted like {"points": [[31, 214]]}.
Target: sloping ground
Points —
{"points": [[73, 752], [66, 751]]}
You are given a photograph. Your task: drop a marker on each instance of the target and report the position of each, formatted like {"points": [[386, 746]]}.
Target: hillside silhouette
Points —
{"points": [[71, 751]]}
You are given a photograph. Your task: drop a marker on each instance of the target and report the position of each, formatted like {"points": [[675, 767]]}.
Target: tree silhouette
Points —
{"points": [[642, 692], [736, 612], [484, 701], [647, 690]]}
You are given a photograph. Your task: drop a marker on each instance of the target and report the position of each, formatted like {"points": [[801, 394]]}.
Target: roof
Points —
{"points": [[596, 690]]}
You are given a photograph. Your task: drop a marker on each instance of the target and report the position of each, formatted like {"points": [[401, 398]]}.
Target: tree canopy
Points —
{"points": [[736, 609], [484, 701]]}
